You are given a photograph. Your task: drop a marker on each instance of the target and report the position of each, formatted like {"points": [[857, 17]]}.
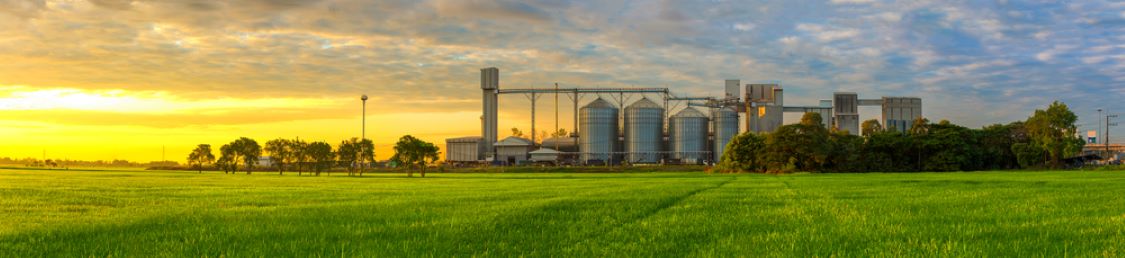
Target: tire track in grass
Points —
{"points": [[544, 226], [664, 205], [563, 225], [668, 203]]}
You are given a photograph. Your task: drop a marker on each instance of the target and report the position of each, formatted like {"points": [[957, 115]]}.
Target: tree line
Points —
{"points": [[353, 154], [1043, 140], [66, 163]]}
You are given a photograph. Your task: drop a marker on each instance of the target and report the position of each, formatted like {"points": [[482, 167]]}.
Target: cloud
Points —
{"points": [[1049, 54], [789, 40], [825, 34], [114, 4], [852, 1], [424, 56], [22, 8], [515, 10], [744, 26]]}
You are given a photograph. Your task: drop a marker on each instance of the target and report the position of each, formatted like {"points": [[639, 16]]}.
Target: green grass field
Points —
{"points": [[146, 213]]}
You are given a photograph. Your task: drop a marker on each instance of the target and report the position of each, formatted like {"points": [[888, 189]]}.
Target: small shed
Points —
{"points": [[545, 155], [513, 150]]}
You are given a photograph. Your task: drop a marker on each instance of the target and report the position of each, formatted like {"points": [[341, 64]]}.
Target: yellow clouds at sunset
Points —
{"points": [[19, 98]]}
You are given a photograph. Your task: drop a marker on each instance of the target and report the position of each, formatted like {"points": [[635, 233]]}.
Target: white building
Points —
{"points": [[513, 150]]}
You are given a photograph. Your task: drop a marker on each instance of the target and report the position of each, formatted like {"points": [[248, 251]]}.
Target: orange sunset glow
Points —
{"points": [[120, 79]]}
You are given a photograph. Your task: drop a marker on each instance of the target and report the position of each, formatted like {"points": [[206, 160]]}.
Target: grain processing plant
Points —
{"points": [[628, 126]]}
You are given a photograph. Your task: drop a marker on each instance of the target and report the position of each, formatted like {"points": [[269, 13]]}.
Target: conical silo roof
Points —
{"points": [[644, 103], [599, 103]]}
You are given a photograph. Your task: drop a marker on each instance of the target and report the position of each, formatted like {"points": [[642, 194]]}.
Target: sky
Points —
{"points": [[148, 80]]}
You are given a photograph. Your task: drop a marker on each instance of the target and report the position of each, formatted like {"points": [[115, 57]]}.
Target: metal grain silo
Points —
{"points": [[597, 131], [644, 131], [688, 135], [724, 122]]}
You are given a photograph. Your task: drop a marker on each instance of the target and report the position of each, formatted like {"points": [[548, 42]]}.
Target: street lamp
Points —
{"points": [[363, 134], [1099, 127]]}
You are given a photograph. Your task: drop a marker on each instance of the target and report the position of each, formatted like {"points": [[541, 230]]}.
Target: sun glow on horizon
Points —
{"points": [[123, 101], [74, 123]]}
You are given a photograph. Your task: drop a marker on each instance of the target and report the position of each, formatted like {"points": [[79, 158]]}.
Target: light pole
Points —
{"points": [[363, 135], [1099, 126]]}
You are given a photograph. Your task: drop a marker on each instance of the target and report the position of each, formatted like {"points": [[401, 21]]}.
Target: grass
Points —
{"points": [[153, 213]]}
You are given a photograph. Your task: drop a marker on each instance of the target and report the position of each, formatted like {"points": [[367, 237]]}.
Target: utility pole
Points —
{"points": [[533, 118], [557, 137], [1107, 125]]}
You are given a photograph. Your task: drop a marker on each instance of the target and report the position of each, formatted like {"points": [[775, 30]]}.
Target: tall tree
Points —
{"points": [[887, 151], [918, 132], [248, 150], [950, 147], [517, 133], [1053, 131], [355, 153], [321, 155], [798, 147], [844, 150], [228, 158], [366, 154], [742, 154], [870, 127], [300, 154], [348, 154], [413, 152], [996, 147], [201, 156], [280, 152]]}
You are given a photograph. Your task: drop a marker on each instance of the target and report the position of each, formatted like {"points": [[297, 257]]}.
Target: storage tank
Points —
{"points": [[562, 144], [644, 132], [688, 135], [724, 123], [597, 131]]}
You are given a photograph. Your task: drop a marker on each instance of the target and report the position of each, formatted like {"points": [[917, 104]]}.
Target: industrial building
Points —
{"points": [[513, 150], [611, 129]]}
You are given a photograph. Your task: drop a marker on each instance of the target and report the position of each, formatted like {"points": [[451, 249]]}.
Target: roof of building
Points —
{"points": [[466, 139], [544, 151], [513, 141]]}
